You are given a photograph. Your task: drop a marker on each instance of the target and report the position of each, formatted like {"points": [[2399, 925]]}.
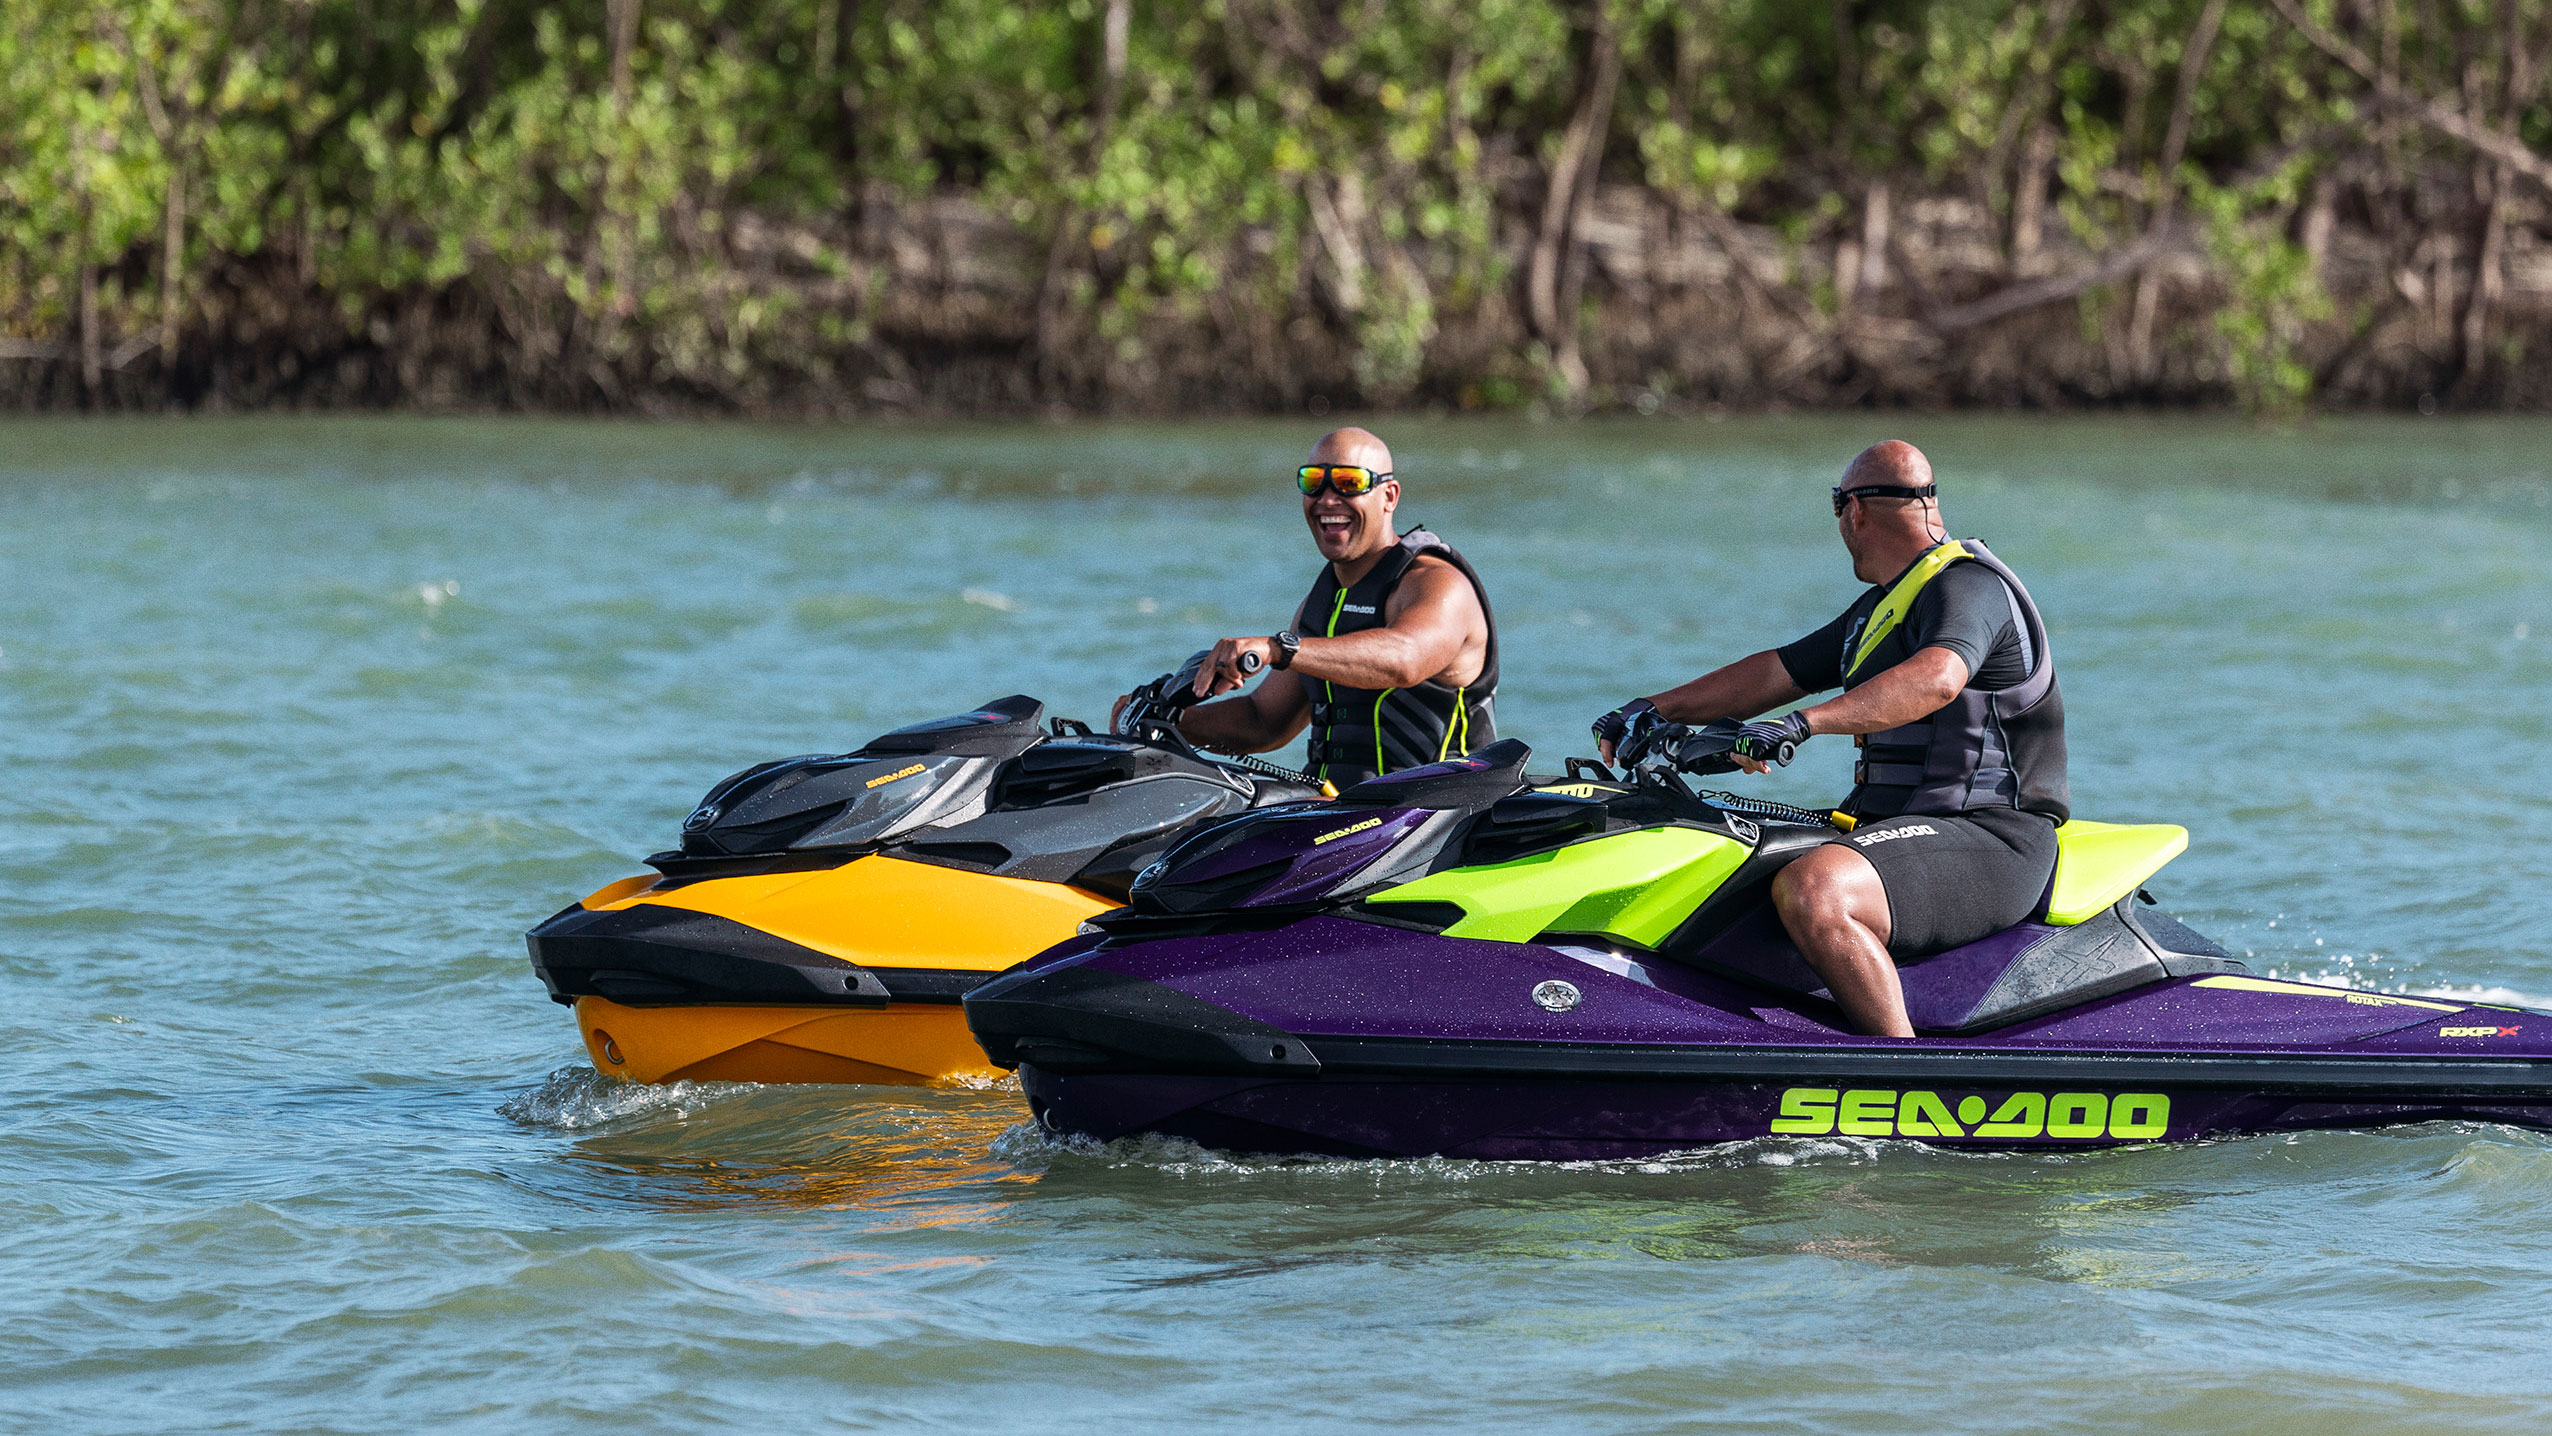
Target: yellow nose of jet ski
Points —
{"points": [[825, 914], [925, 933]]}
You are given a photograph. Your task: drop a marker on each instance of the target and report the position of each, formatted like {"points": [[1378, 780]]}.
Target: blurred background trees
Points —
{"points": [[828, 205]]}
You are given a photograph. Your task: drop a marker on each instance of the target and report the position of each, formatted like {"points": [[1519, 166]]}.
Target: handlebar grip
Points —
{"points": [[1250, 663]]}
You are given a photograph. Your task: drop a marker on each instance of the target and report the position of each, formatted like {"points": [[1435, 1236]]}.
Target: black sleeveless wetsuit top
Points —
{"points": [[1359, 733]]}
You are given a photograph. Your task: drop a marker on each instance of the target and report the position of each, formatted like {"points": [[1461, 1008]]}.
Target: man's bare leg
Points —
{"points": [[1836, 911]]}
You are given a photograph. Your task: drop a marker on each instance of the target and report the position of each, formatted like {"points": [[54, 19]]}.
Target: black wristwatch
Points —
{"points": [[1288, 643]]}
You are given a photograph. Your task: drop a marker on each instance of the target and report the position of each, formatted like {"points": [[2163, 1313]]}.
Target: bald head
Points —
{"points": [[1892, 462], [1886, 535], [1347, 530], [1353, 446]]}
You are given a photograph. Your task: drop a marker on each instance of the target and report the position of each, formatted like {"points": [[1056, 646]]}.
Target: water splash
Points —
{"points": [[576, 1099], [2491, 996]]}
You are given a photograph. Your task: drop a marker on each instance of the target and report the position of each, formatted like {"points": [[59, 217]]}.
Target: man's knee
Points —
{"points": [[1821, 879], [1831, 885]]}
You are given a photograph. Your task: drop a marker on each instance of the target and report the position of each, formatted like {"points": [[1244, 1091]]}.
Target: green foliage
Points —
{"points": [[1376, 166]]}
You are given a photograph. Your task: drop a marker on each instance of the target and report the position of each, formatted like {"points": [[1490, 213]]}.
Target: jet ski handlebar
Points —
{"points": [[1152, 713], [1703, 750], [1154, 708], [1699, 749]]}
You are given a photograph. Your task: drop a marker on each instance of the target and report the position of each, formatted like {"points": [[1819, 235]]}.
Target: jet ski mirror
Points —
{"points": [[1581, 769]]}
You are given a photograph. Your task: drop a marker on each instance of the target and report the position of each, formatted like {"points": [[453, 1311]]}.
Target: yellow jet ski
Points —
{"points": [[825, 914]]}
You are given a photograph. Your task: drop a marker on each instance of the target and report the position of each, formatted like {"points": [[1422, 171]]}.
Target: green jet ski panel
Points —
{"points": [[2099, 863], [1636, 886]]}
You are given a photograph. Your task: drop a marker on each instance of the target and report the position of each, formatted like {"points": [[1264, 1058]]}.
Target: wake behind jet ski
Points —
{"points": [[1465, 961], [824, 914]]}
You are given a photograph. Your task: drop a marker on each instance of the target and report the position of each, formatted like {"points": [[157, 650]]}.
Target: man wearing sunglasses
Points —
{"points": [[1392, 660], [1950, 692]]}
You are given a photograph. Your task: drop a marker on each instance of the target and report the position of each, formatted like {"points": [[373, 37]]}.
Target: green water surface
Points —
{"points": [[305, 721]]}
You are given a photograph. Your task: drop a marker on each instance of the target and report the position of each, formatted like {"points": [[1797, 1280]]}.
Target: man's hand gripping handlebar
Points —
{"points": [[1152, 711], [1721, 746]]}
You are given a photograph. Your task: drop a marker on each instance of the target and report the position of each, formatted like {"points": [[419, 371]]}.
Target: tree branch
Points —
{"points": [[2444, 119], [2118, 265]]}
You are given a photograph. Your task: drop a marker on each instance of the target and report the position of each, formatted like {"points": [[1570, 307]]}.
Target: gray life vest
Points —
{"points": [[2002, 749], [1359, 733]]}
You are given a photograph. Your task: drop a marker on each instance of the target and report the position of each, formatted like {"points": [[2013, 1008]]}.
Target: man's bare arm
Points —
{"points": [[1265, 718], [1740, 690], [1434, 613], [1911, 691]]}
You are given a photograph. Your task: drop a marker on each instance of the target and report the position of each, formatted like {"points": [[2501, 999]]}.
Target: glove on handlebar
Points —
{"points": [[1629, 728], [1771, 740]]}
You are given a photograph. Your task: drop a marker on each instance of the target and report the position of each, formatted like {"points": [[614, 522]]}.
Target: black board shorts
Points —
{"points": [[1953, 880]]}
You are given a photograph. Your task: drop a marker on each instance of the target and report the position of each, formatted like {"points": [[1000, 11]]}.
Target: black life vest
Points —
{"points": [[2002, 749], [1359, 733]]}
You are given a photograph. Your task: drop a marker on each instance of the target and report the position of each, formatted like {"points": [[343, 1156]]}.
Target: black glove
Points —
{"points": [[1771, 740], [1628, 728]]}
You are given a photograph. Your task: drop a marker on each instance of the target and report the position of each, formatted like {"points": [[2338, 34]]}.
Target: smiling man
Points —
{"points": [[1392, 660]]}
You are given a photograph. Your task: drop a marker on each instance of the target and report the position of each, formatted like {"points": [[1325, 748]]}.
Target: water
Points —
{"points": [[305, 721]]}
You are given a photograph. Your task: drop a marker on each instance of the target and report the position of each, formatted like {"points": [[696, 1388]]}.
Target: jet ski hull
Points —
{"points": [[899, 1044], [1330, 1035], [825, 913], [1581, 1119], [845, 973]]}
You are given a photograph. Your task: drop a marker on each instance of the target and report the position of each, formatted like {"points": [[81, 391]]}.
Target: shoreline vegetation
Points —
{"points": [[820, 207]]}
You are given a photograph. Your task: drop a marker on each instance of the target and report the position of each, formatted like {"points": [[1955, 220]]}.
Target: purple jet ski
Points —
{"points": [[1462, 960]]}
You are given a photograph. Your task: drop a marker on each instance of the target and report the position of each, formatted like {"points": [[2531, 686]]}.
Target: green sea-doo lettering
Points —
{"points": [[1636, 886], [1806, 1112], [2139, 1114], [1881, 1112], [1920, 1114], [2023, 1114], [2077, 1114], [1868, 1112]]}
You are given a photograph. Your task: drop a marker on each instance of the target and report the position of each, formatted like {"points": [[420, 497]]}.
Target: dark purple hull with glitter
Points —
{"points": [[1332, 1035]]}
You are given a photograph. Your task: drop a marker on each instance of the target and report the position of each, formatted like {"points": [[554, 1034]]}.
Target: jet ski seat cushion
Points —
{"points": [[2099, 863]]}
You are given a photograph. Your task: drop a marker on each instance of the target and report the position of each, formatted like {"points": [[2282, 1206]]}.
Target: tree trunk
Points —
{"points": [[1116, 30], [2321, 215], [175, 138], [1847, 80], [623, 199], [1115, 34], [2487, 280], [2175, 141], [846, 87], [92, 359], [1877, 221], [92, 366], [1572, 185], [172, 268], [2029, 200]]}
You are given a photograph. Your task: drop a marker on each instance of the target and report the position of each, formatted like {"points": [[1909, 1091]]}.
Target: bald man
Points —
{"points": [[1392, 660], [1950, 693]]}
